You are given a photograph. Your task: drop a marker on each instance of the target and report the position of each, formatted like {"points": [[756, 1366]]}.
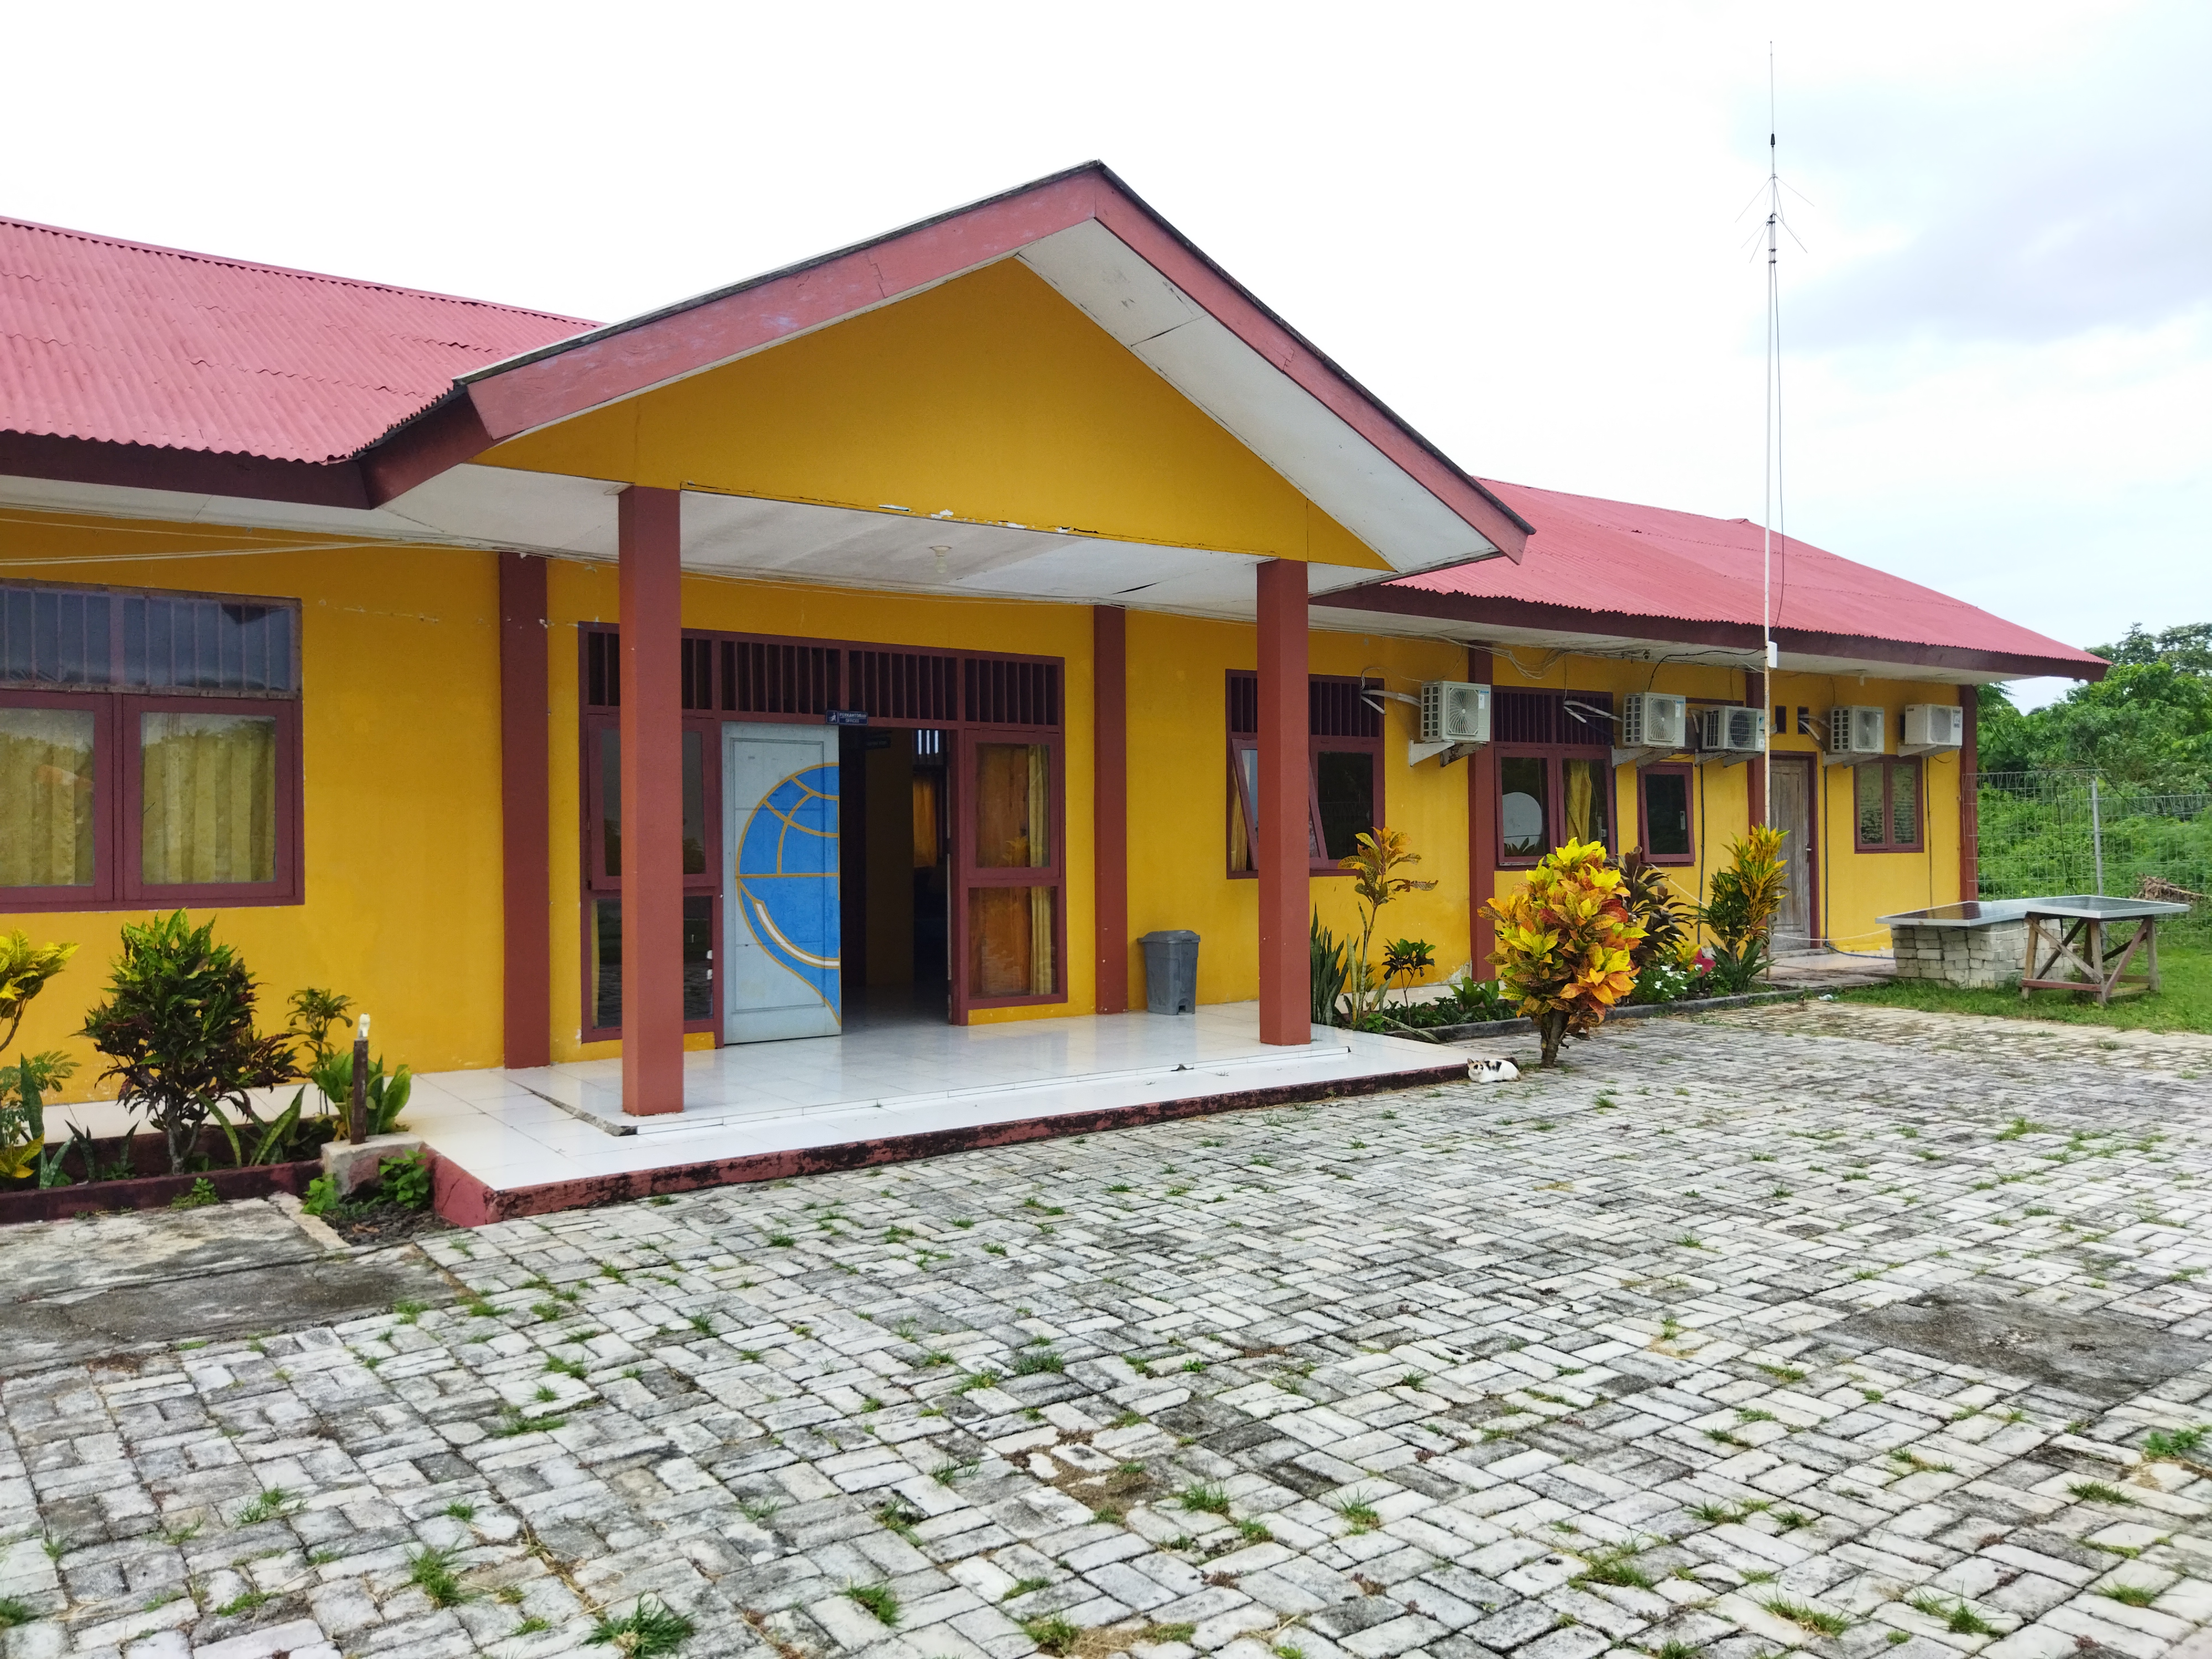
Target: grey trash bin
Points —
{"points": [[1170, 971]]}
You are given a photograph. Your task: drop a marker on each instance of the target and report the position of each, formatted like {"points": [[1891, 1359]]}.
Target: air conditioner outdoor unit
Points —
{"points": [[1855, 731], [1932, 726], [1734, 734], [1653, 719], [1453, 711]]}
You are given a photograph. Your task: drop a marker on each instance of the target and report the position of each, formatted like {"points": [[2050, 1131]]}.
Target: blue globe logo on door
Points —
{"points": [[787, 877]]}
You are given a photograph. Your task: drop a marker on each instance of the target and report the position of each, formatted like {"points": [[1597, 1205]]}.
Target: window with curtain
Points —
{"points": [[1886, 794], [1555, 776], [149, 748]]}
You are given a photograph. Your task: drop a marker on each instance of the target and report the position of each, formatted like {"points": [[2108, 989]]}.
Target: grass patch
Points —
{"points": [[2132, 1596], [1209, 1500], [2098, 1491], [2182, 1443], [245, 1601], [1805, 1614], [1054, 1635], [1038, 1361], [2183, 1003], [14, 1611], [877, 1599], [432, 1572], [267, 1507], [1618, 1568], [1359, 1514], [1960, 1620], [646, 1631]]}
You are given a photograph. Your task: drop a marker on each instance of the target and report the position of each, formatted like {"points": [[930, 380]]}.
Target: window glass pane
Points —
{"points": [[698, 957], [205, 645], [1667, 815], [1014, 806], [1010, 941], [610, 799], [695, 806], [603, 972], [1345, 780], [1904, 806], [45, 797], [1244, 766], [1590, 800], [928, 791], [208, 798], [1868, 787], [1523, 790]]}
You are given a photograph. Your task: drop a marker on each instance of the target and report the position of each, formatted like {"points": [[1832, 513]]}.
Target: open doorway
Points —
{"points": [[895, 875]]}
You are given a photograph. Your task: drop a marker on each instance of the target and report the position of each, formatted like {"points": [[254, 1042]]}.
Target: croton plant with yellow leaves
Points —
{"points": [[1564, 943]]}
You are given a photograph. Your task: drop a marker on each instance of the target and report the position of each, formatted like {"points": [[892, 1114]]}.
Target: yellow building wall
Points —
{"points": [[399, 737], [1853, 887], [1179, 795], [989, 398], [577, 594]]}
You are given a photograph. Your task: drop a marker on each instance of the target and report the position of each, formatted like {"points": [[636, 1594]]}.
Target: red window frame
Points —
{"points": [[796, 680], [1328, 698], [1555, 786], [1890, 767], [118, 883], [1643, 776]]}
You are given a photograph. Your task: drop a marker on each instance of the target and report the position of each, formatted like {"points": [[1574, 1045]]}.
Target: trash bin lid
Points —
{"points": [[1170, 936]]}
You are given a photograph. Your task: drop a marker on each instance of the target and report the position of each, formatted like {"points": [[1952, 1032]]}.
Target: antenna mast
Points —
{"points": [[1773, 455]]}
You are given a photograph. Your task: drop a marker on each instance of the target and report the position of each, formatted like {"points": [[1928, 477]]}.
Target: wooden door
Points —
{"points": [[1790, 809], [1009, 921]]}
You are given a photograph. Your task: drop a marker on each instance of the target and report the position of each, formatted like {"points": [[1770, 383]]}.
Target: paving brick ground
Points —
{"points": [[1639, 1357]]}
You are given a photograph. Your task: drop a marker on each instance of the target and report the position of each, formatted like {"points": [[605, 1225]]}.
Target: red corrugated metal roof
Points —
{"points": [[1598, 556], [125, 342]]}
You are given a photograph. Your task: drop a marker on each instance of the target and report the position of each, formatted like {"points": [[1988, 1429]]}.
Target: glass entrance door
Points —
{"points": [[783, 920]]}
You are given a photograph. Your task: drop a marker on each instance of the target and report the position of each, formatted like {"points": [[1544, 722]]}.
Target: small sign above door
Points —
{"points": [[849, 716]]}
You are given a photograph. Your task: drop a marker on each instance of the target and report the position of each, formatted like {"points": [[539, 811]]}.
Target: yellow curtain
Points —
{"points": [[1578, 800], [208, 798], [926, 850], [46, 798]]}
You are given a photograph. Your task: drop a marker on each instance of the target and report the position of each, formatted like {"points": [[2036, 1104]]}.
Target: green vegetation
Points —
{"points": [[877, 1599], [2183, 1002], [2147, 724], [1054, 1635], [432, 1572], [646, 1631]]}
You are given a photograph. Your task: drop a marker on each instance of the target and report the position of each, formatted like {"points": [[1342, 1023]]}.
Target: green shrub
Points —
{"points": [[202, 1194], [322, 1196], [178, 1029], [406, 1181]]}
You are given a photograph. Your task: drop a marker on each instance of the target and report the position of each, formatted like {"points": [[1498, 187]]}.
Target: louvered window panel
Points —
{"points": [[94, 637], [602, 671], [1543, 717], [1334, 707], [762, 678], [695, 670], [1000, 692], [905, 685]]}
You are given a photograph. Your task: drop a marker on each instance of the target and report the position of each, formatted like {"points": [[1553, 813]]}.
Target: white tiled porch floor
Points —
{"points": [[527, 1127]]}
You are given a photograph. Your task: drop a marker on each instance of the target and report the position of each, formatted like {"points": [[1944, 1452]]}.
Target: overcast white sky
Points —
{"points": [[1520, 230]]}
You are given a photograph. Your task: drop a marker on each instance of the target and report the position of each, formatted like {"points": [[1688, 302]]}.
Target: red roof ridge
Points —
{"points": [[124, 242]]}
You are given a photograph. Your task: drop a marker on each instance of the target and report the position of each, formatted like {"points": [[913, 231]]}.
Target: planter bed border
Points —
{"points": [[25, 1203], [1497, 1028]]}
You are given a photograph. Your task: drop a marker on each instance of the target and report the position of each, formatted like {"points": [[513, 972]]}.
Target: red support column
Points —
{"points": [[1481, 834], [1754, 785], [1285, 884], [1109, 744], [652, 802], [526, 869], [1970, 799]]}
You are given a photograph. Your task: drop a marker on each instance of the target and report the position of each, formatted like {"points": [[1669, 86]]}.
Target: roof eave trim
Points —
{"points": [[1476, 610]]}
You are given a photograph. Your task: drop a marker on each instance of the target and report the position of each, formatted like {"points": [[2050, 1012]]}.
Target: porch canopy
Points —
{"points": [[1049, 395]]}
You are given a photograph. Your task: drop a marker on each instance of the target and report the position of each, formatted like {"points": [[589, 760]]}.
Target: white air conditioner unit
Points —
{"points": [[1453, 712], [1932, 727], [1855, 731], [1732, 734], [1653, 719]]}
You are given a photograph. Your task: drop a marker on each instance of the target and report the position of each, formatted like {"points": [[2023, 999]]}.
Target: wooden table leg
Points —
{"points": [[2150, 947]]}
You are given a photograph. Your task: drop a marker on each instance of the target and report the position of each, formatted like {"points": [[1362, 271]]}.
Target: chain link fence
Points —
{"points": [[2047, 833]]}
